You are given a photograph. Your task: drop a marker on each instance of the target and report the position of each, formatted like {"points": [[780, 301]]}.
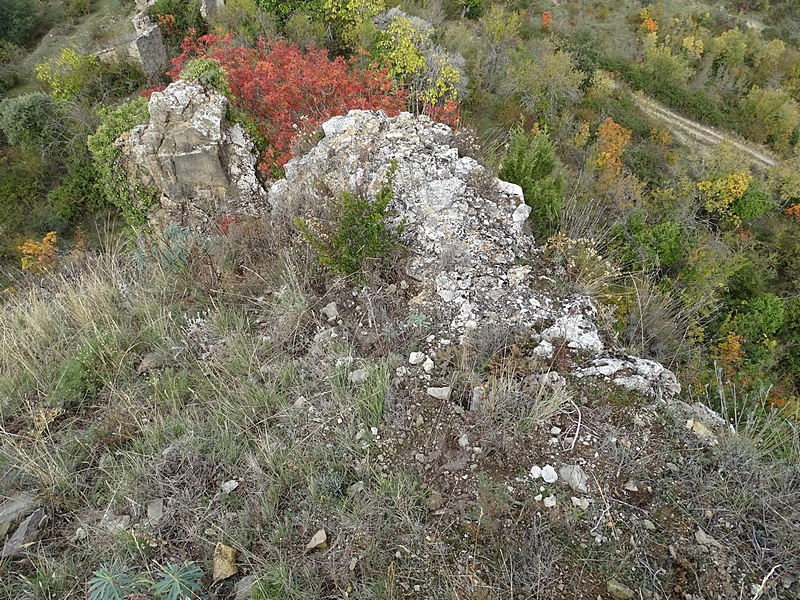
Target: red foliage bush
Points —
{"points": [[280, 87]]}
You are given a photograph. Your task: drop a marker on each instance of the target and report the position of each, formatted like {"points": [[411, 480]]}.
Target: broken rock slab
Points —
{"points": [[26, 534], [575, 477]]}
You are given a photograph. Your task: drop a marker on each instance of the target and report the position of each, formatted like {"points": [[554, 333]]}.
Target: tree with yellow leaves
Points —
{"points": [[39, 256]]}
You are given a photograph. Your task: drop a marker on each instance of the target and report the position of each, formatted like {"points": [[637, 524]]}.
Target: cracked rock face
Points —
{"points": [[204, 168]]}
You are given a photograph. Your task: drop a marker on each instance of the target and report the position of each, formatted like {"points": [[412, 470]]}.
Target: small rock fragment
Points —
{"points": [[703, 432], [229, 486], [702, 538], [618, 590], [331, 312], [550, 502], [536, 472], [648, 524], [15, 508], [582, 503], [155, 510], [356, 488], [554, 430], [357, 377], [25, 534], [80, 535], [435, 501], [477, 398], [243, 589], [152, 361], [463, 441], [224, 562], [318, 541], [428, 365], [549, 474], [417, 358], [440, 393], [575, 477]]}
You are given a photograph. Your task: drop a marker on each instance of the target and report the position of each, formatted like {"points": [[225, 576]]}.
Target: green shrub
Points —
{"points": [[30, 121], [17, 20], [82, 375], [531, 163], [10, 59], [753, 203], [114, 179], [179, 18], [66, 75], [360, 230], [283, 9], [79, 191], [208, 72]]}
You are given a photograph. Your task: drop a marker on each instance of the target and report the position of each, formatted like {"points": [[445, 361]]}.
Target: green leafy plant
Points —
{"points": [[172, 582], [176, 583], [114, 122], [208, 72], [111, 583], [360, 230]]}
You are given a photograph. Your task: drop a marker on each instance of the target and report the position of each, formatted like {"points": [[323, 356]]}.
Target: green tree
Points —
{"points": [[546, 80], [662, 65], [729, 48], [30, 120], [531, 163], [17, 20], [770, 115]]}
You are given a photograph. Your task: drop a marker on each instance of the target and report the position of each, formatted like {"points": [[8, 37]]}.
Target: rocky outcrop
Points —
{"points": [[469, 250], [204, 167], [148, 47], [476, 265], [209, 7]]}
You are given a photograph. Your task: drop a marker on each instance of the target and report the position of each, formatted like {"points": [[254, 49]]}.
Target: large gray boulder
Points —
{"points": [[204, 168]]}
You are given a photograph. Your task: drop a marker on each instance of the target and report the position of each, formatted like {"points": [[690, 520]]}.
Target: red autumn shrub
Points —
{"points": [[279, 86]]}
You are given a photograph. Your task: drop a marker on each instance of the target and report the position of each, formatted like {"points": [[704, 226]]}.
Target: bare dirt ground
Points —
{"points": [[702, 138]]}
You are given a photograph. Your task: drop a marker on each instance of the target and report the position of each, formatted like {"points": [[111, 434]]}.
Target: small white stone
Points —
{"points": [[536, 472], [440, 393], [417, 358], [229, 486], [550, 501], [555, 430], [538, 497], [357, 377], [463, 441], [549, 474], [428, 365]]}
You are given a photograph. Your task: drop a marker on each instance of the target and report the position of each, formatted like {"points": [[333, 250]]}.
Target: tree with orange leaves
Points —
{"points": [[611, 141]]}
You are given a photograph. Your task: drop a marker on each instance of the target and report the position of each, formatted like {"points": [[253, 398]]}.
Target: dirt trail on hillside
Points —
{"points": [[701, 137]]}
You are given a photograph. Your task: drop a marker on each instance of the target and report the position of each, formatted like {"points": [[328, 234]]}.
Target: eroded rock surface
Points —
{"points": [[204, 167], [469, 248]]}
